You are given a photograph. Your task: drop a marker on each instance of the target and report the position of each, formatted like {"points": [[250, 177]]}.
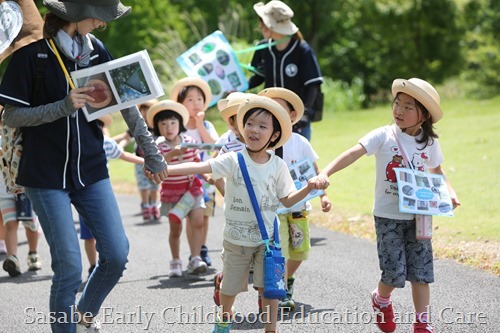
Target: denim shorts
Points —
{"points": [[9, 213], [401, 256], [143, 182]]}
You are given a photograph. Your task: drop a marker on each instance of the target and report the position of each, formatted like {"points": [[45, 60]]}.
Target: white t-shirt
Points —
{"points": [[296, 149], [382, 143], [271, 181]]}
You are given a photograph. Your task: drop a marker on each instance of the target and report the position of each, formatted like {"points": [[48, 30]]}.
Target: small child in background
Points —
{"points": [[148, 190], [181, 196], [296, 149], [265, 125], [112, 151], [195, 94], [402, 257]]}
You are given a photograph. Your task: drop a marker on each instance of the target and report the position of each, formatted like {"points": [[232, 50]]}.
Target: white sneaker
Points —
{"points": [[11, 265], [94, 327], [34, 262], [196, 266], [175, 268]]}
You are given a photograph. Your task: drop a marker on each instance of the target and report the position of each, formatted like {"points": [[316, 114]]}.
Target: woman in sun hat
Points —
{"points": [[411, 138], [195, 94], [288, 61], [264, 124], [54, 129]]}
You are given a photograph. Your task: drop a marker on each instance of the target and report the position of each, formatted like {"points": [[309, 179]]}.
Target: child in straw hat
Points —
{"points": [[195, 94], [402, 257], [264, 124], [180, 196]]}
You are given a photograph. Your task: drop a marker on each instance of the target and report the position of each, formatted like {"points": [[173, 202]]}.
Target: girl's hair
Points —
{"points": [[428, 134], [167, 114], [184, 91], [53, 24], [276, 123]]}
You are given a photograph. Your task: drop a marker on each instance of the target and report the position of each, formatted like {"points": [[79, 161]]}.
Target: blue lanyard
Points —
{"points": [[255, 205]]}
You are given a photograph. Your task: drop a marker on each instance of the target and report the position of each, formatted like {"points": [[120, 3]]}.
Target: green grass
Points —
{"points": [[469, 137]]}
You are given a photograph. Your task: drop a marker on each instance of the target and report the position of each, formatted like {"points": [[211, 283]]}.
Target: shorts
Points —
{"points": [[144, 183], [236, 261], [167, 206], [209, 205], [401, 256], [285, 241], [9, 213]]}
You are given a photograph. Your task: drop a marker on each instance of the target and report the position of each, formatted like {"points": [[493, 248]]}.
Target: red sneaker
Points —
{"points": [[385, 316], [217, 282], [155, 212], [146, 213], [422, 328]]}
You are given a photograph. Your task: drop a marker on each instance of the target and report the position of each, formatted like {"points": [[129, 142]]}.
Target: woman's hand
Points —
{"points": [[79, 97]]}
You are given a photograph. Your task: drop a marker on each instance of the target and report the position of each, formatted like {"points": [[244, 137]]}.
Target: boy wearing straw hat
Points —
{"points": [[264, 124], [402, 257]]}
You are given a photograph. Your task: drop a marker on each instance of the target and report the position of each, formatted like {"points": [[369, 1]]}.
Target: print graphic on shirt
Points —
{"points": [[245, 230], [418, 161], [397, 162], [291, 70], [238, 179], [270, 203]]}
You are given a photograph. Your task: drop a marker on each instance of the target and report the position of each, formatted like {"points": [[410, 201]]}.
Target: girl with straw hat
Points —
{"points": [[402, 256]]}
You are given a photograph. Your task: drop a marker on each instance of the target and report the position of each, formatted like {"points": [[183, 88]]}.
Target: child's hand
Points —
{"points": [[200, 116], [326, 204], [319, 182], [178, 150]]}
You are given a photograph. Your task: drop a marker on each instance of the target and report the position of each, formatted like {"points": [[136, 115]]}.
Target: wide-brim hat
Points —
{"points": [[423, 92], [277, 16], [106, 119], [272, 106], [147, 104], [287, 95], [228, 106], [78, 10], [192, 81], [167, 105]]}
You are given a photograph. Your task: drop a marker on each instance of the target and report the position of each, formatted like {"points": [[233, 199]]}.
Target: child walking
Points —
{"points": [[264, 124], [195, 94], [415, 110], [181, 196]]}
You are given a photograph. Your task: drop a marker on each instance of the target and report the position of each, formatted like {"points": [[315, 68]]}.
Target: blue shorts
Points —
{"points": [[401, 256]]}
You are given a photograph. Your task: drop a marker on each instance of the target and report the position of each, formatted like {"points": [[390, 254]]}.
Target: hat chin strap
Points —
{"points": [[416, 124], [265, 146]]}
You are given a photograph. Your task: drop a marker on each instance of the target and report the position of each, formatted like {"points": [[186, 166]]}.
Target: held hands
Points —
{"points": [[79, 97], [155, 177], [319, 182]]}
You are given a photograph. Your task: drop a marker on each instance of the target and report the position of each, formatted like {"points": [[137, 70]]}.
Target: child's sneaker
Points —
{"points": [[11, 266], [287, 303], [422, 328], [34, 262], [217, 283], [94, 327], [196, 266], [3, 248], [146, 213], [175, 268], [155, 213], [222, 326], [384, 315], [204, 255]]}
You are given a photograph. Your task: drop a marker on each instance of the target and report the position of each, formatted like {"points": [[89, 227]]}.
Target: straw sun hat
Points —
{"points": [[423, 92], [272, 106], [228, 106], [287, 95], [192, 81], [167, 105], [78, 10], [277, 17]]}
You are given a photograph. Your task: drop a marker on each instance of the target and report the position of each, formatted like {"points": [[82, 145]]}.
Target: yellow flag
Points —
{"points": [[20, 24]]}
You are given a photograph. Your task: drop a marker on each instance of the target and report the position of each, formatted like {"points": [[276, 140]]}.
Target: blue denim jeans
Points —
{"points": [[97, 204], [305, 131]]}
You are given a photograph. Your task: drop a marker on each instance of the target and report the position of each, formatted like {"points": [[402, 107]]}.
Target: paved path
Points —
{"points": [[332, 289]]}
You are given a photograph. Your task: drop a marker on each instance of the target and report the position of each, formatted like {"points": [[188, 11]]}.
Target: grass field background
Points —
{"points": [[469, 137]]}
